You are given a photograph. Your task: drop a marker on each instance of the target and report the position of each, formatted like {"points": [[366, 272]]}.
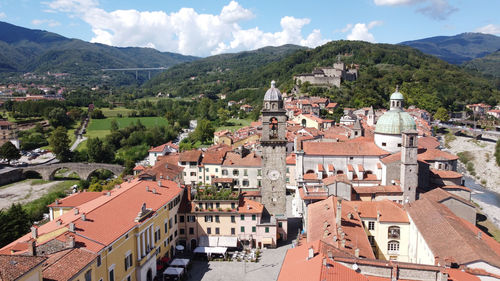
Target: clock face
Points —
{"points": [[273, 175]]}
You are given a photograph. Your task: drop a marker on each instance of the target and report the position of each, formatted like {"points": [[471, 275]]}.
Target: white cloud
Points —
{"points": [[361, 31], [184, 31], [2, 15], [436, 9], [489, 29], [50, 22]]}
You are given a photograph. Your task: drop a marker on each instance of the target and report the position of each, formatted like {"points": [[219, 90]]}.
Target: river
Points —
{"points": [[488, 200]]}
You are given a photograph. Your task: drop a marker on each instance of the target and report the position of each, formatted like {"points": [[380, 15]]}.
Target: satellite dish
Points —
{"points": [[355, 267]]}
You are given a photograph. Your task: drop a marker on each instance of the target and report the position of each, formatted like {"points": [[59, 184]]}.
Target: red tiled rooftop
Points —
{"points": [[388, 210], [67, 265], [13, 267], [235, 159], [445, 174], [190, 156], [343, 149], [378, 189], [76, 199]]}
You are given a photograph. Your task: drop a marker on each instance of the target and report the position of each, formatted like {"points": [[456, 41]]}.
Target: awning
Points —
{"points": [[180, 262], [267, 241], [176, 271], [210, 250], [227, 241]]}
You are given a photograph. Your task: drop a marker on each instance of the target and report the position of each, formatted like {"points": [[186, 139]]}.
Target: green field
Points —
{"points": [[105, 124], [235, 124], [115, 111]]}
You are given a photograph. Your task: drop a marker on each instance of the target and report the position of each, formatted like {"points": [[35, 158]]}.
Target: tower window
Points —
{"points": [[384, 144], [411, 141]]}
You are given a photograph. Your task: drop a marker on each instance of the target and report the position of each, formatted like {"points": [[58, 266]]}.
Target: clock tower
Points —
{"points": [[273, 143]]}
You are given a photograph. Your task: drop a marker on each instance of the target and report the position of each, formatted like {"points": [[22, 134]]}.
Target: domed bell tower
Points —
{"points": [[273, 143], [409, 165]]}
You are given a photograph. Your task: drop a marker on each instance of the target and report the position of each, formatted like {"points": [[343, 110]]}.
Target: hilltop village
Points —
{"points": [[376, 197]]}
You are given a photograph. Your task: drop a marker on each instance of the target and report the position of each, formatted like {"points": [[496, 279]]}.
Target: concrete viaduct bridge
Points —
{"points": [[47, 171]]}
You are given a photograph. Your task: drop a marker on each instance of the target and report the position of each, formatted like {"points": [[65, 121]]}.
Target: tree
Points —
{"points": [[99, 152], [114, 125], [97, 114], [57, 117], [14, 223], [442, 115], [204, 131], [59, 142], [9, 151], [223, 115]]}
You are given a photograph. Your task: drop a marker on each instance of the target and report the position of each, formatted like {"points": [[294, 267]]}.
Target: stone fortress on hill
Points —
{"points": [[328, 76], [377, 198]]}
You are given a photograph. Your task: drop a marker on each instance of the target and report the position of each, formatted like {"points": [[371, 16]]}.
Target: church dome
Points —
{"points": [[273, 94], [394, 122], [397, 95]]}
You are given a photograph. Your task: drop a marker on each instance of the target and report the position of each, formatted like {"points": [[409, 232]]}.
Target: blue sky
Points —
{"points": [[203, 28]]}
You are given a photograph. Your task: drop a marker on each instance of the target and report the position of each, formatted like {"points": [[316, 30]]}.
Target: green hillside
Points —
{"points": [[426, 81], [488, 65], [27, 50]]}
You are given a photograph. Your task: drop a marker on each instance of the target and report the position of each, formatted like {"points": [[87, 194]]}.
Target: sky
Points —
{"points": [[210, 27]]}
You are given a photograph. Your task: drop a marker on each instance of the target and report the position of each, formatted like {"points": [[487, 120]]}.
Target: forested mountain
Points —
{"points": [[488, 65], [459, 48], [427, 81], [27, 50]]}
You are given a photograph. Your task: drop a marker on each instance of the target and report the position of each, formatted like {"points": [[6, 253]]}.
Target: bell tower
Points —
{"points": [[273, 143], [409, 165]]}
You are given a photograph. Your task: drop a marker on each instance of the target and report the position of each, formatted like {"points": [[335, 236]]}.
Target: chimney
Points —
{"points": [[154, 190], [76, 211], [34, 232], [161, 175], [108, 193], [57, 202], [71, 227], [339, 212], [356, 252], [343, 243], [32, 247], [310, 253], [324, 261], [59, 222], [378, 215], [70, 242], [83, 217]]}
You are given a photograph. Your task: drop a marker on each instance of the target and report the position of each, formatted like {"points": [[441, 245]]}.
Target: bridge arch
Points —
{"points": [[83, 170]]}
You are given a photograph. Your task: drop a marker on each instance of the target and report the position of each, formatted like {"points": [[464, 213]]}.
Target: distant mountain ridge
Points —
{"points": [[459, 48], [488, 65], [28, 50]]}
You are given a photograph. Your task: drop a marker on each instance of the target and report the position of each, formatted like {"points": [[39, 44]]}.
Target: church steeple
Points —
{"points": [[397, 100]]}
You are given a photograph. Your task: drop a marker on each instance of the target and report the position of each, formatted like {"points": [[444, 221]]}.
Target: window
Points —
{"points": [[217, 230], [254, 217], [170, 223], [175, 233], [217, 205], [393, 246], [112, 275], [110, 249], [411, 141], [242, 229], [233, 231], [193, 174], [206, 178], [233, 205], [371, 239], [88, 275], [190, 218], [209, 218], [254, 229], [181, 218], [259, 172], [287, 169], [287, 180], [384, 144], [246, 183], [236, 172], [393, 232], [181, 231], [233, 219], [242, 217], [245, 172], [280, 224], [224, 172], [267, 229], [351, 158], [200, 169], [371, 225], [99, 260], [128, 278], [209, 230], [399, 145], [259, 183], [191, 230], [216, 170], [217, 218], [175, 219], [128, 261], [166, 227], [206, 169]]}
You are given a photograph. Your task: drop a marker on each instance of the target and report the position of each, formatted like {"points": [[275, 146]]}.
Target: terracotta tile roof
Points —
{"points": [[321, 224], [310, 176], [213, 157], [391, 158], [335, 178], [428, 142], [235, 159], [109, 221], [139, 168], [451, 187], [435, 154], [67, 266], [13, 267], [297, 267], [190, 156], [291, 159], [313, 193], [160, 148], [439, 195], [459, 275], [321, 168], [343, 149], [368, 139], [451, 237], [341, 138], [445, 174], [389, 211], [332, 105], [164, 168], [377, 189], [248, 206], [76, 199]]}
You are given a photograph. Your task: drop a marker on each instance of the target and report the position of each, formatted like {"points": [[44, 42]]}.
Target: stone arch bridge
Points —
{"points": [[47, 171]]}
